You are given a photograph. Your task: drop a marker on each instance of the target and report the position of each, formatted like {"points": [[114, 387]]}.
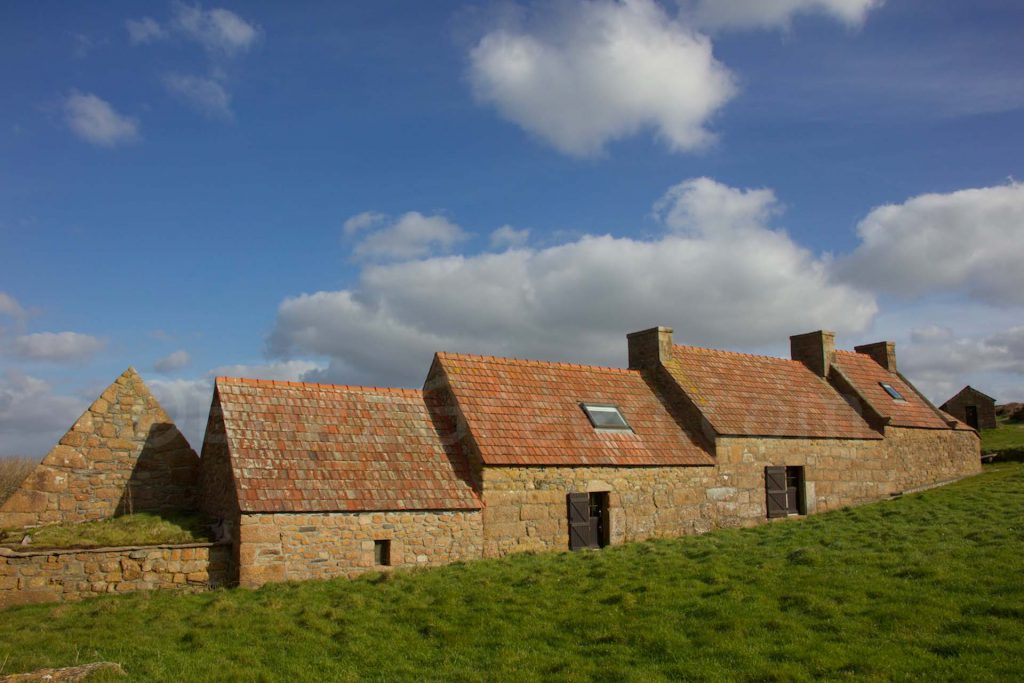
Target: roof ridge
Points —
{"points": [[318, 385], [736, 353], [531, 362]]}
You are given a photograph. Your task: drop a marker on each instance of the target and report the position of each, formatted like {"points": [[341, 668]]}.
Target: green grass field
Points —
{"points": [[1007, 439], [927, 587]]}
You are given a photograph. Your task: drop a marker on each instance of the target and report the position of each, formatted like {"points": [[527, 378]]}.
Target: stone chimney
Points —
{"points": [[816, 350], [884, 353], [648, 348]]}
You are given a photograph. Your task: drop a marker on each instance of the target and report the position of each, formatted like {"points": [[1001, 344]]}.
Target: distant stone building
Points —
{"points": [[973, 407], [123, 455]]}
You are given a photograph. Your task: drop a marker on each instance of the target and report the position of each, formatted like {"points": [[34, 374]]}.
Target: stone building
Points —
{"points": [[498, 455], [973, 407], [123, 455]]}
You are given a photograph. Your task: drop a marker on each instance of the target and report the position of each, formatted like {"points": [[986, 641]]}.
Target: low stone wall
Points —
{"points": [[51, 575], [926, 456], [299, 546]]}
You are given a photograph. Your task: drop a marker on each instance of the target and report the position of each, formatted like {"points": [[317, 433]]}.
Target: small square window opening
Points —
{"points": [[604, 417], [891, 390], [382, 553]]}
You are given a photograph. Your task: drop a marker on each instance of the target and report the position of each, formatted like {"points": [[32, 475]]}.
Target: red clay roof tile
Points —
{"points": [[320, 447], [866, 376], [743, 394], [527, 412]]}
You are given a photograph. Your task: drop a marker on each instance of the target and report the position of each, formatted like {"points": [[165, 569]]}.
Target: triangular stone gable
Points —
{"points": [[123, 455]]}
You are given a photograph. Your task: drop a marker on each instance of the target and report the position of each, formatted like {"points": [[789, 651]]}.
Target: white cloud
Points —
{"points": [[741, 14], [172, 362], [285, 371], [941, 362], [9, 306], [966, 241], [205, 94], [218, 30], [736, 283], [413, 235], [585, 73], [94, 120], [506, 236], [32, 417], [56, 346], [144, 30], [187, 402], [362, 221]]}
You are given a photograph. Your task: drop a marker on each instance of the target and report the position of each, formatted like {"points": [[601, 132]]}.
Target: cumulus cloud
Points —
{"points": [[172, 362], [285, 371], [94, 120], [144, 30], [218, 30], [966, 241], [412, 235], [56, 346], [583, 73], [942, 362], [735, 283], [207, 95], [32, 417], [506, 236], [745, 14]]}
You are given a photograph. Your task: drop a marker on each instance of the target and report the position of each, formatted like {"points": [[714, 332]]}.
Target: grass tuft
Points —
{"points": [[138, 529]]}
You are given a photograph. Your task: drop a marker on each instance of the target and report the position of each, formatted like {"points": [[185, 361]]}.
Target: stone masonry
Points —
{"points": [[123, 455], [50, 575], [299, 546]]}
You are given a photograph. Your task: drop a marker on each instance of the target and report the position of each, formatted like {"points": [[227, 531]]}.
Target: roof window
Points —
{"points": [[604, 416], [891, 390]]}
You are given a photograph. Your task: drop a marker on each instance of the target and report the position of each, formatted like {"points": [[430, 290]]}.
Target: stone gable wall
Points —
{"points": [[299, 546], [123, 455], [957, 407], [46, 576]]}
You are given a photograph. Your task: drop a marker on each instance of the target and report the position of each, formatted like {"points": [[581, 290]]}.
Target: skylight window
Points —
{"points": [[604, 417], [891, 390]]}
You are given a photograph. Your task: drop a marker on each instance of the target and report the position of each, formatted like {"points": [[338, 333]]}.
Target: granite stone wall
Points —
{"points": [[299, 546], [51, 575], [123, 455]]}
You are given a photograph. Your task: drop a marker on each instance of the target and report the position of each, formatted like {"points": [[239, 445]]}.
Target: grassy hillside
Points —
{"points": [[926, 587]]}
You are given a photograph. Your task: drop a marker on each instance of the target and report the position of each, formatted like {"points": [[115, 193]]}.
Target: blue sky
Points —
{"points": [[332, 191]]}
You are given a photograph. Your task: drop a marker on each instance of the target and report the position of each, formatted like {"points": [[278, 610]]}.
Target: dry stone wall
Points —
{"points": [[46, 576], [123, 455], [299, 546]]}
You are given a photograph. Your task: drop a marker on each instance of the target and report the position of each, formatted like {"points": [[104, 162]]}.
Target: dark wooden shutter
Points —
{"points": [[579, 521], [775, 491]]}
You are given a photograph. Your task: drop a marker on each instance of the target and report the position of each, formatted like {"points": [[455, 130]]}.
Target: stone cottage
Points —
{"points": [[973, 407], [499, 455], [123, 455]]}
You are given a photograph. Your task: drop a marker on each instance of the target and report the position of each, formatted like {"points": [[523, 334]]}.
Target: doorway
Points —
{"points": [[588, 520], [971, 416]]}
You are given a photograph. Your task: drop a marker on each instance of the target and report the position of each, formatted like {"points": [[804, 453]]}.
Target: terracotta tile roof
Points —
{"points": [[742, 394], [865, 374], [523, 412], [319, 447]]}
